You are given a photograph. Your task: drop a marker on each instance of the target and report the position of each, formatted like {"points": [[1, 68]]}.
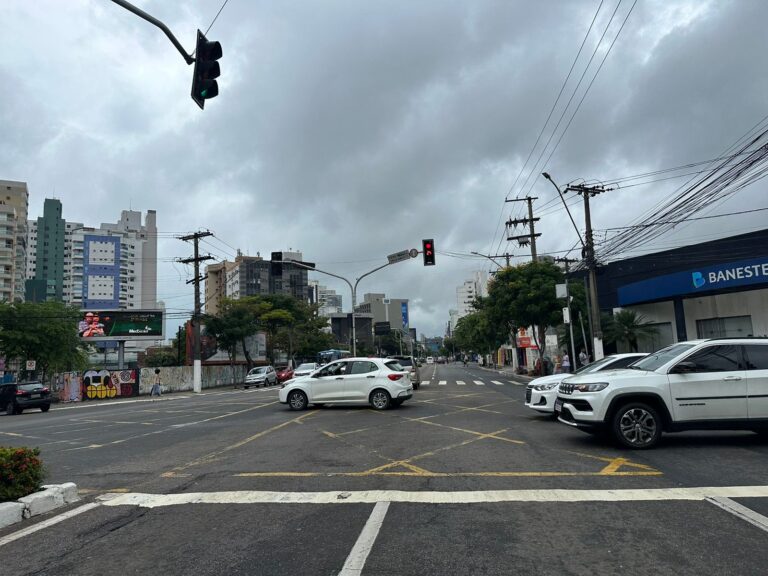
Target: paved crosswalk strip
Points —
{"points": [[425, 382], [442, 383], [497, 383], [479, 382], [460, 382]]}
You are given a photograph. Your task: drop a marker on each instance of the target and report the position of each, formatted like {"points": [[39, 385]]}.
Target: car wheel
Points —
{"points": [[636, 425], [10, 409], [246, 386], [380, 399], [45, 408], [297, 400]]}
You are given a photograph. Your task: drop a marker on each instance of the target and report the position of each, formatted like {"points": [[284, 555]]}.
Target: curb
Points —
{"points": [[51, 497]]}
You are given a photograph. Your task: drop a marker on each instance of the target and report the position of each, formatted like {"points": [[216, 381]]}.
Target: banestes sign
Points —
{"points": [[716, 277]]}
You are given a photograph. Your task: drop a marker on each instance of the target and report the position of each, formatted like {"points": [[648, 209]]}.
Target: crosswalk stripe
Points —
{"points": [[425, 382], [441, 383], [519, 383], [460, 382], [497, 383], [479, 383]]}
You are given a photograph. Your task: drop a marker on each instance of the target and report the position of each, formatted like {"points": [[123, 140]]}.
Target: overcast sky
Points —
{"points": [[350, 130]]}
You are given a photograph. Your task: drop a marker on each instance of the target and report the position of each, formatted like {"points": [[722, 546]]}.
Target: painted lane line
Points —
{"points": [[429, 497], [46, 523], [746, 514], [359, 554], [497, 383], [479, 382], [460, 383], [425, 382], [442, 383]]}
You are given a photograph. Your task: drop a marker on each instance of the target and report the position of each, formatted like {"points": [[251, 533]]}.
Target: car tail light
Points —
{"points": [[394, 377], [19, 392], [45, 390]]}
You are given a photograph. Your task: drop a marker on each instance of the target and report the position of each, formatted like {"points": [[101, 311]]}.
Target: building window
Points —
{"points": [[733, 326]]}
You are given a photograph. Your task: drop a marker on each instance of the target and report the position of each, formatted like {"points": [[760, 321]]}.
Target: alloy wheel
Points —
{"points": [[638, 427]]}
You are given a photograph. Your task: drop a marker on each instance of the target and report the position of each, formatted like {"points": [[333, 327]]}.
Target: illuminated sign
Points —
{"points": [[101, 325]]}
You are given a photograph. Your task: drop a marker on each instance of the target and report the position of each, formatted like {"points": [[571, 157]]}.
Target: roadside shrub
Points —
{"points": [[21, 472]]}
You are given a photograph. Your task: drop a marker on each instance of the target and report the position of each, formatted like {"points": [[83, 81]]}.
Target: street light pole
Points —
{"points": [[352, 287]]}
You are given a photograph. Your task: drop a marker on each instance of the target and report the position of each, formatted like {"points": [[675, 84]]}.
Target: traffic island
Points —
{"points": [[52, 496]]}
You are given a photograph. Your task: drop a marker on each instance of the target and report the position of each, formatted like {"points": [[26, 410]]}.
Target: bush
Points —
{"points": [[21, 472]]}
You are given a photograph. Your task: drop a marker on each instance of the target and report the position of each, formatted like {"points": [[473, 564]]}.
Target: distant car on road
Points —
{"points": [[284, 373], [541, 393], [261, 376], [305, 369], [430, 360], [16, 397], [380, 382], [410, 364]]}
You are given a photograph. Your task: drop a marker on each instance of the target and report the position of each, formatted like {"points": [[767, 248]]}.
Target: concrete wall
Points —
{"points": [[179, 378]]}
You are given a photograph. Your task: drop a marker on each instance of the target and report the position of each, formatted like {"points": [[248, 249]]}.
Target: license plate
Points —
{"points": [[558, 405], [34, 395]]}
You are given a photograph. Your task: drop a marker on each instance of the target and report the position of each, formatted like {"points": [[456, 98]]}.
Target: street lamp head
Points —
{"points": [[546, 175]]}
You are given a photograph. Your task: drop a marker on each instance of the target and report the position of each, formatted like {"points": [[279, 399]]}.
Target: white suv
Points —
{"points": [[702, 384], [382, 383]]}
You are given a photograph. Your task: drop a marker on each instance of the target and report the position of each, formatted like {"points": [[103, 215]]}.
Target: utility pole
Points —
{"points": [[567, 263], [589, 256], [197, 369], [526, 239]]}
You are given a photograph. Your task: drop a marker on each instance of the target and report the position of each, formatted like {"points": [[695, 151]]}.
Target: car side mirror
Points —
{"points": [[683, 368]]}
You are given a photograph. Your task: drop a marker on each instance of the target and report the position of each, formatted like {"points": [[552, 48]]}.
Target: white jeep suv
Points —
{"points": [[717, 384]]}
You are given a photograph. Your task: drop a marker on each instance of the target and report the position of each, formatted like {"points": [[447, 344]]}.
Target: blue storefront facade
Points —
{"points": [[709, 290]]}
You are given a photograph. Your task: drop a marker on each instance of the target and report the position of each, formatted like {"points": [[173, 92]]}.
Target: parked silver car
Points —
{"points": [[261, 376], [409, 363]]}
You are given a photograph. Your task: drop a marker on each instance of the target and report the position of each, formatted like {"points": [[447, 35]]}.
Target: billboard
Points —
{"points": [[105, 325]]}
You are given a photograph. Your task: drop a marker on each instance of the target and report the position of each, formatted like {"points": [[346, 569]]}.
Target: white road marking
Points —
{"points": [[479, 382], [429, 497], [460, 383], [46, 523], [518, 383], [441, 383], [359, 554], [740, 511], [497, 383], [425, 382]]}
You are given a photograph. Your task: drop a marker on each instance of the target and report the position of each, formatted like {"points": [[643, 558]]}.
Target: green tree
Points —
{"points": [[628, 326], [45, 332], [478, 331], [524, 295]]}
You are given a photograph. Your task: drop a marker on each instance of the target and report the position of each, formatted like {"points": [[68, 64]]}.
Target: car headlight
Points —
{"points": [[591, 387], [543, 387]]}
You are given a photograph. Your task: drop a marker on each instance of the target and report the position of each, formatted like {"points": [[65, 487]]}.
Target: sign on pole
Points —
{"points": [[399, 256], [566, 316], [561, 291], [31, 364]]}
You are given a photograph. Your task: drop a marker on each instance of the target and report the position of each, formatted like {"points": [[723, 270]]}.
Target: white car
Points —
{"points": [[541, 393], [702, 384], [305, 369], [261, 376], [382, 383], [430, 360]]}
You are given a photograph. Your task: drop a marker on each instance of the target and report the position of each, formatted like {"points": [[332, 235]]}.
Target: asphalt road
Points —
{"points": [[462, 479]]}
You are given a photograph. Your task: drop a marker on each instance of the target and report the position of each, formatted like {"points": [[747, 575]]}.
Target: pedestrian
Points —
{"points": [[566, 362], [156, 384], [583, 358]]}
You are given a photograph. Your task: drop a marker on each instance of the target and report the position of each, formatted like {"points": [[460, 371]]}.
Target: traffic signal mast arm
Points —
{"points": [[152, 20]]}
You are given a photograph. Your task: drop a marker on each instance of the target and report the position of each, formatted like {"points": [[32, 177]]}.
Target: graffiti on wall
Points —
{"points": [[103, 384]]}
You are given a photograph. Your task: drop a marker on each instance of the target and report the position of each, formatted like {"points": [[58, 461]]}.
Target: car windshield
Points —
{"points": [[404, 362], [595, 366], [658, 359], [28, 387], [394, 365], [262, 370], [306, 367]]}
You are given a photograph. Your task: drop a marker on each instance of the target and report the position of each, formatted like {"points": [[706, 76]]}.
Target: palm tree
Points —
{"points": [[628, 326]]}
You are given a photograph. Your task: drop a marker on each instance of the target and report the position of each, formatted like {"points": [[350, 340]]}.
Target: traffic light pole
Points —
{"points": [[152, 20]]}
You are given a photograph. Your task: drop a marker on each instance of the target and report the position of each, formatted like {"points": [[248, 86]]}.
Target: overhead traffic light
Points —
{"points": [[428, 249], [204, 85]]}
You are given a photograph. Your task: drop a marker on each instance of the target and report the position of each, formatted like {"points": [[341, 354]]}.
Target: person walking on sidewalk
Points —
{"points": [[566, 362], [156, 384]]}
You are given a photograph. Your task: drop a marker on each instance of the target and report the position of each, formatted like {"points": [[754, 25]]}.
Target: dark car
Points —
{"points": [[284, 373], [19, 396], [409, 363]]}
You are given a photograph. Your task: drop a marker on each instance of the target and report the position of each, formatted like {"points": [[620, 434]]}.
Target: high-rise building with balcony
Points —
{"points": [[14, 205]]}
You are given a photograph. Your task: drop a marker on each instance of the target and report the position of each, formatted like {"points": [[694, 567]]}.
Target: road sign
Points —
{"points": [[31, 364], [399, 256], [381, 328]]}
